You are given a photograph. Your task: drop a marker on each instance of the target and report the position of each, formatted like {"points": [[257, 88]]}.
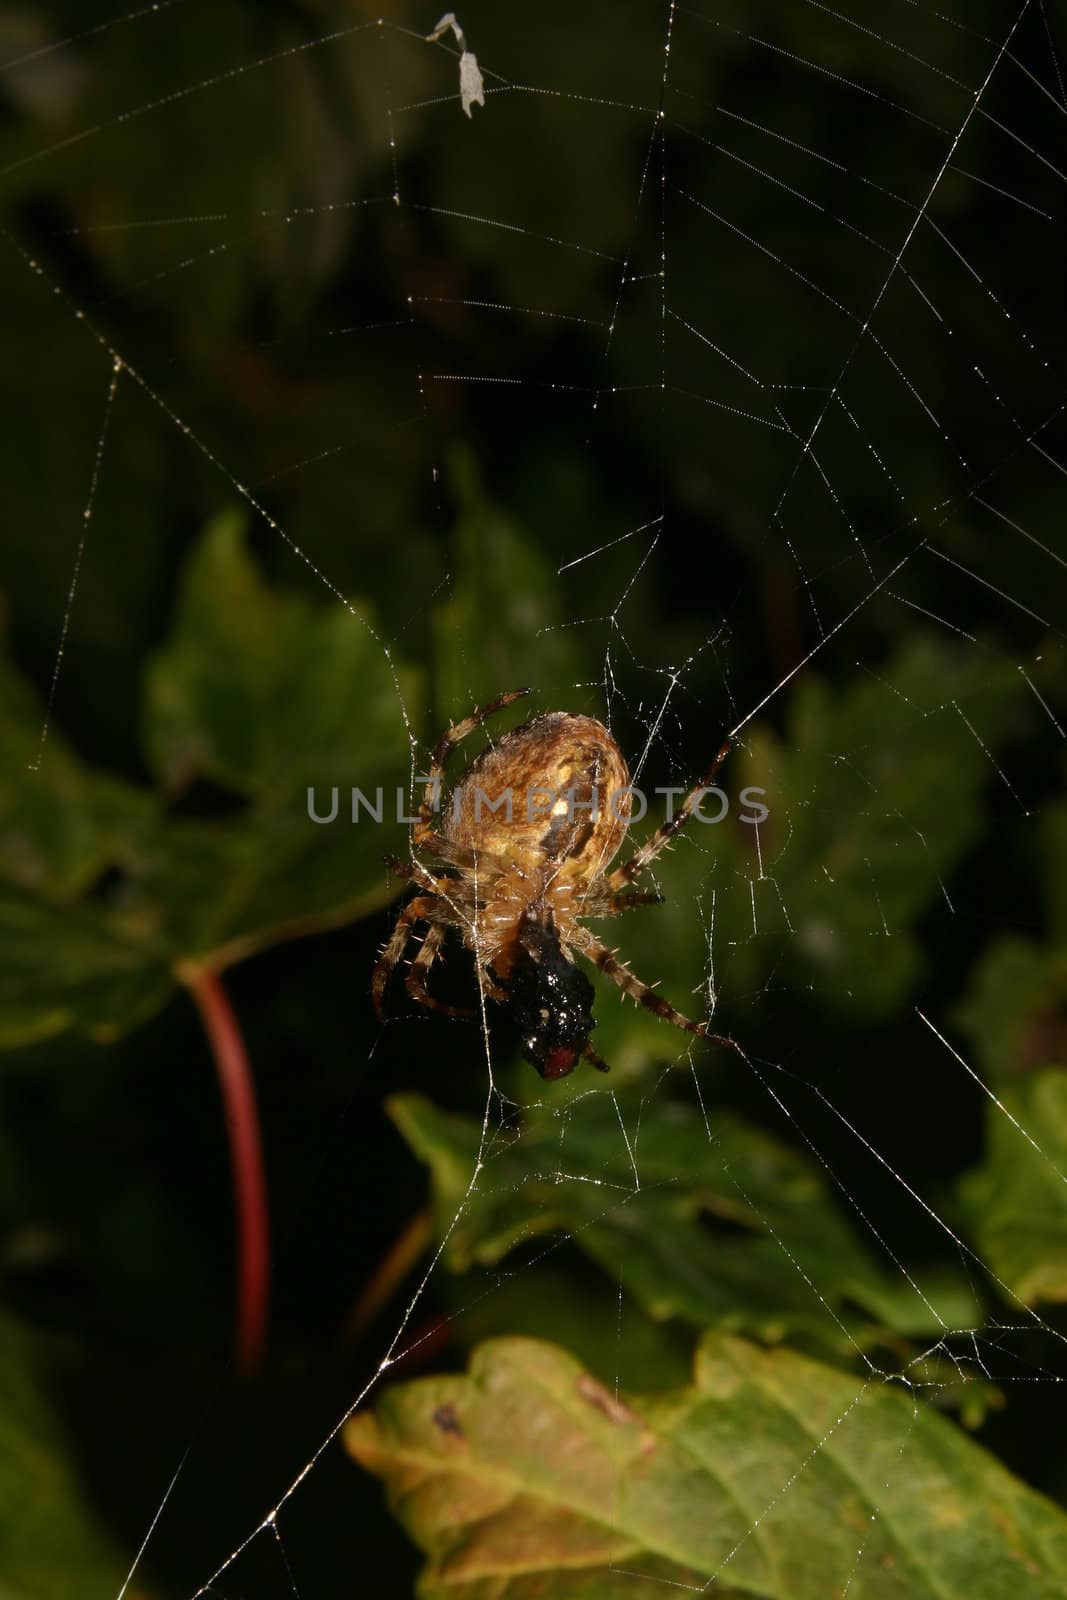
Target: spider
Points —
{"points": [[517, 879]]}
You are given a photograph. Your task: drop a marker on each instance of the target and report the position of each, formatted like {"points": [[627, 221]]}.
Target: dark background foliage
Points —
{"points": [[296, 338]]}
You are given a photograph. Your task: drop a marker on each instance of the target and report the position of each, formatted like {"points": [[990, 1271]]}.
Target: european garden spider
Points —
{"points": [[518, 876]]}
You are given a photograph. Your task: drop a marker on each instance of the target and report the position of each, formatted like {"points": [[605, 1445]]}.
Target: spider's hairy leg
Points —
{"points": [[459, 731], [412, 870], [469, 861], [419, 972], [643, 993], [454, 891], [602, 901], [421, 909], [666, 832], [629, 898]]}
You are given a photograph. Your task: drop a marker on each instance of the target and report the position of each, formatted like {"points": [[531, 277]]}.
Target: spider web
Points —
{"points": [[792, 381]]}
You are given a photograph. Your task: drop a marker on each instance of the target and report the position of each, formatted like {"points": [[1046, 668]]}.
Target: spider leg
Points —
{"points": [[602, 901], [598, 1061], [413, 870], [630, 898], [474, 862], [643, 993], [419, 972], [424, 828], [448, 892], [438, 908], [457, 902], [418, 910], [663, 836]]}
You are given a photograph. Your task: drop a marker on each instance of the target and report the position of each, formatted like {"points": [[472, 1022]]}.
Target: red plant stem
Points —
{"points": [[246, 1165]]}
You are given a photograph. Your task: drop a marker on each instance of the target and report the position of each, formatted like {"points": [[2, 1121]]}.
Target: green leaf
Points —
{"points": [[74, 955], [1015, 1015], [105, 893], [874, 796], [73, 966], [1014, 1011], [1018, 1198], [694, 1224], [770, 1475], [47, 1533], [269, 695], [61, 825], [265, 692]]}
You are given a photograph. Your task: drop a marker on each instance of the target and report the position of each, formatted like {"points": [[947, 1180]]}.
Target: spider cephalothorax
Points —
{"points": [[521, 854]]}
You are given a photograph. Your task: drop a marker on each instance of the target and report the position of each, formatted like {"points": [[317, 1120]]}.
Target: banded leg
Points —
{"points": [[459, 731], [601, 901], [414, 871], [417, 910], [447, 892], [455, 897], [463, 895], [643, 993], [665, 834], [636, 897], [419, 973]]}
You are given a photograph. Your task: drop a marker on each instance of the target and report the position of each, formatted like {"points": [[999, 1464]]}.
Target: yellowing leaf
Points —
{"points": [[770, 1475]]}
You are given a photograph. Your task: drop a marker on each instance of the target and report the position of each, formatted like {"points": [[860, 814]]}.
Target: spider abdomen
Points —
{"points": [[553, 794]]}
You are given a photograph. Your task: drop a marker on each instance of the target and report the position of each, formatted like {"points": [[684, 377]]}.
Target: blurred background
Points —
{"points": [[709, 377]]}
